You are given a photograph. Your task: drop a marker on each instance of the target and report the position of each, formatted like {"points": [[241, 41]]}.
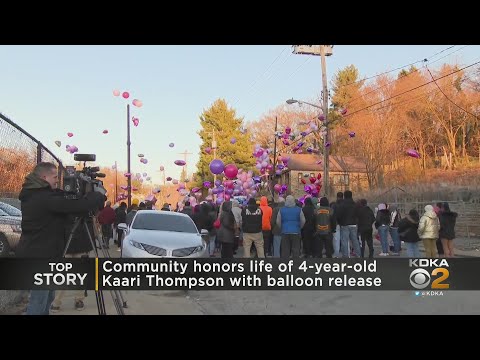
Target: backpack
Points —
{"points": [[322, 220]]}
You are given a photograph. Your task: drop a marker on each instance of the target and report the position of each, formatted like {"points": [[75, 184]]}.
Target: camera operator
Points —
{"points": [[45, 213]]}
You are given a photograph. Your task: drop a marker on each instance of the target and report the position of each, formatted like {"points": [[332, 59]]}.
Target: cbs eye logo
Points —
{"points": [[421, 278]]}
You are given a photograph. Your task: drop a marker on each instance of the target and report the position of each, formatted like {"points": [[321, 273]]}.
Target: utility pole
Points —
{"points": [[214, 147], [326, 149], [116, 183], [129, 179], [274, 175], [185, 154]]}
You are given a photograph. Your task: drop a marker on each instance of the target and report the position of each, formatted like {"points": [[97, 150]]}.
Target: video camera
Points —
{"points": [[78, 183]]}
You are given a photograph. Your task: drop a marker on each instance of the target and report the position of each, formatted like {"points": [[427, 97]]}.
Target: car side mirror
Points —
{"points": [[204, 232], [123, 226]]}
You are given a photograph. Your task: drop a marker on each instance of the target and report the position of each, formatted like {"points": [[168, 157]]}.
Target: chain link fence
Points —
{"points": [[19, 153]]}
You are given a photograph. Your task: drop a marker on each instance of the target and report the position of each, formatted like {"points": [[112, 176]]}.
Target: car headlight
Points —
{"points": [[136, 244]]}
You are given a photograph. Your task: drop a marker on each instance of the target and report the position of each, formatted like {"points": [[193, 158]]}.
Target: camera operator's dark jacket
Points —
{"points": [[45, 216]]}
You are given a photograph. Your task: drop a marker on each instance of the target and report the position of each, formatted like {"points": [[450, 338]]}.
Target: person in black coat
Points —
{"points": [[382, 222], [448, 220], [308, 230], [45, 215], [366, 218], [227, 231], [407, 230]]}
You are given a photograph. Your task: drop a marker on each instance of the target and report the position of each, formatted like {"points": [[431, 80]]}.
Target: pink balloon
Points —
{"points": [[175, 181], [227, 197], [127, 174], [413, 153], [162, 168], [126, 95], [231, 171], [208, 150], [179, 162], [343, 112], [169, 178], [116, 92], [105, 131], [69, 134], [137, 103]]}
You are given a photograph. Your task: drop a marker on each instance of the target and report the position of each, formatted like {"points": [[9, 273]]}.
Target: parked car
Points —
{"points": [[155, 233], [10, 230]]}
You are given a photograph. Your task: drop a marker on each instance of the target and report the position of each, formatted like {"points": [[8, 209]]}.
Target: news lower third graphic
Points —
{"points": [[426, 277]]}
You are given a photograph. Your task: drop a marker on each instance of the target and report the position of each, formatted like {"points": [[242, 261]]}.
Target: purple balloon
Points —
{"points": [[207, 184], [229, 191], [217, 166], [233, 141], [278, 172], [218, 182]]}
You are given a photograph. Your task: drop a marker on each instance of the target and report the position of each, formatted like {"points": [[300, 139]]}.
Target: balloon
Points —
{"points": [[413, 153], [280, 166], [140, 155], [124, 187], [126, 95], [278, 172], [156, 191], [319, 162], [144, 174], [286, 142], [217, 166], [231, 171], [105, 131], [162, 168], [319, 176], [321, 117], [58, 143], [258, 166], [327, 145], [312, 180], [175, 181], [351, 134], [145, 161], [227, 197], [196, 189], [304, 133], [343, 112], [313, 126], [207, 184], [233, 141], [137, 103], [307, 189], [169, 178], [179, 162], [116, 92], [288, 130], [303, 181], [171, 144], [309, 149], [269, 167], [219, 201], [136, 121], [277, 188], [69, 134]]}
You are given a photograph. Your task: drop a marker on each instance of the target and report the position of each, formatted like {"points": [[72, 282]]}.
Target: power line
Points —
{"points": [[415, 88], [400, 67], [408, 74], [261, 76], [453, 102]]}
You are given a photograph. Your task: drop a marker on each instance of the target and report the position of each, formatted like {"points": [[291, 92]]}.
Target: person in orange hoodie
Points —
{"points": [[266, 225]]}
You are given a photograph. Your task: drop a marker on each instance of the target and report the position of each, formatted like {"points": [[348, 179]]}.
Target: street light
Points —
{"points": [[300, 102]]}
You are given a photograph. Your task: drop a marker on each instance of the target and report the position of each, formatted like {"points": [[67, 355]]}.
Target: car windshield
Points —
{"points": [[10, 210], [162, 222]]}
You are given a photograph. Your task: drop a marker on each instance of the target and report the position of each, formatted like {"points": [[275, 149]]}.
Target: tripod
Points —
{"points": [[117, 296]]}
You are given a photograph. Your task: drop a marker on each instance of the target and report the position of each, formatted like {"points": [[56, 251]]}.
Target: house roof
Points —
{"points": [[308, 162]]}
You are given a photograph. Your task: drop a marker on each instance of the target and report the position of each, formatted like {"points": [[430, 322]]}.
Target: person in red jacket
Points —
{"points": [[106, 218], [266, 225]]}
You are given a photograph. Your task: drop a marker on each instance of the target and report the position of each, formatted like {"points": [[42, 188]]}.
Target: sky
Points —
{"points": [[52, 90]]}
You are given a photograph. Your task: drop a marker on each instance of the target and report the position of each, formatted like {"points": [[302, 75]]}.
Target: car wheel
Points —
{"points": [[4, 246]]}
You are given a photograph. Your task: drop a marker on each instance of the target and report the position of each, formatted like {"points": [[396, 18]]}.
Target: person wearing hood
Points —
{"points": [[407, 229], [45, 218], [237, 212], [448, 220], [428, 230], [393, 229], [267, 213], [382, 221], [277, 230], [291, 220], [252, 229], [324, 225], [308, 231], [228, 229]]}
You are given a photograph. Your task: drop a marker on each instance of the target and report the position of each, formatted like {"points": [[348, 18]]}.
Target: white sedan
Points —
{"points": [[163, 234]]}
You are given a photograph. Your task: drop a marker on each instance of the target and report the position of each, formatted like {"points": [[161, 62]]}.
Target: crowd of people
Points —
{"points": [[317, 228]]}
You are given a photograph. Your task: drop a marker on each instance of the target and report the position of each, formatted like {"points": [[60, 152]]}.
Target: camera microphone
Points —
{"points": [[100, 175]]}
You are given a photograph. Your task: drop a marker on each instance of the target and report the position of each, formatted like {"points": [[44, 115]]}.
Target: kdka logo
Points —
{"points": [[422, 276]]}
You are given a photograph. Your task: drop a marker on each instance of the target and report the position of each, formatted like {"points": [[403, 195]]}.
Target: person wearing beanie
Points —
{"points": [[252, 228], [291, 220], [324, 227]]}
